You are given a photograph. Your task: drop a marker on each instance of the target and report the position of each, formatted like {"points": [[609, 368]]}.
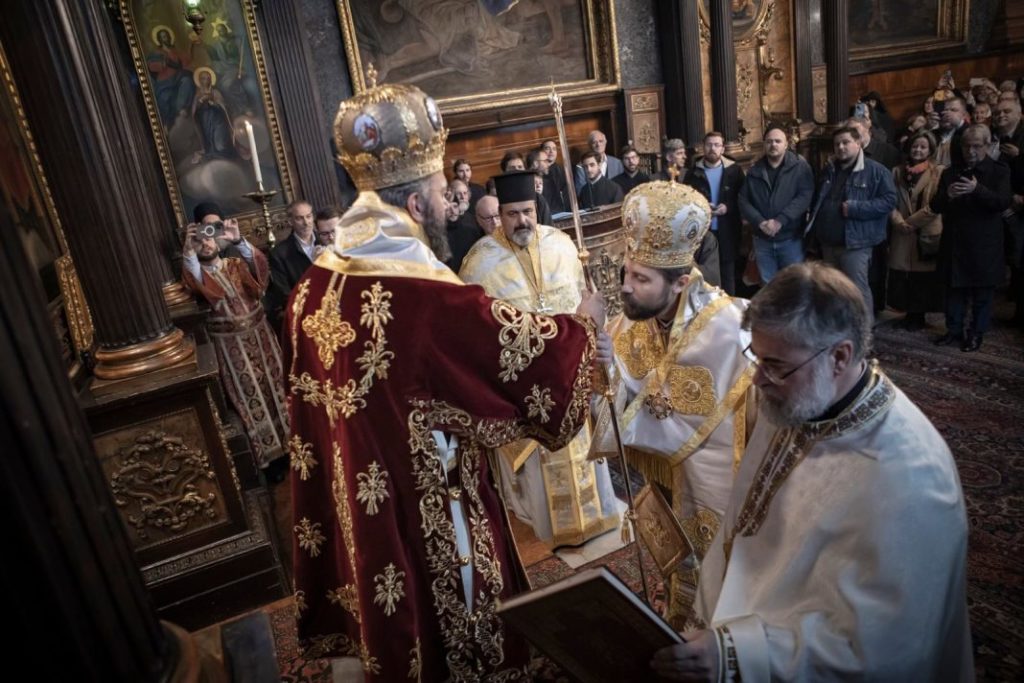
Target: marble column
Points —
{"points": [[292, 63], [723, 71], [73, 83], [680, 47], [837, 55]]}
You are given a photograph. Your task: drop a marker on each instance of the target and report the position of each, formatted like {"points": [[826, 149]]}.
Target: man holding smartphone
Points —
{"points": [[247, 349], [972, 196]]}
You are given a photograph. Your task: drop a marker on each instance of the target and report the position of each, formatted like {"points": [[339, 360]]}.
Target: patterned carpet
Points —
{"points": [[977, 402]]}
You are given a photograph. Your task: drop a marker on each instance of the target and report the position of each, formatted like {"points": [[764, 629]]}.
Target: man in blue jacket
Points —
{"points": [[852, 209], [774, 200]]}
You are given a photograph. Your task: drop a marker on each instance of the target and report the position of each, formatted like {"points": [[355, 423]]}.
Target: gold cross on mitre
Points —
{"points": [[371, 76], [673, 173]]}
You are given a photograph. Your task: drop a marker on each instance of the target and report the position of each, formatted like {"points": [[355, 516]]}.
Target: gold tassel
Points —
{"points": [[653, 467]]}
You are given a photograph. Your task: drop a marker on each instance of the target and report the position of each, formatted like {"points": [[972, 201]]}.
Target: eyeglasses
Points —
{"points": [[490, 219], [777, 380], [328, 235]]}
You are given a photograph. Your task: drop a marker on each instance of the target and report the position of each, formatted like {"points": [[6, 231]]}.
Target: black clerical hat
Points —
{"points": [[516, 186], [205, 209]]}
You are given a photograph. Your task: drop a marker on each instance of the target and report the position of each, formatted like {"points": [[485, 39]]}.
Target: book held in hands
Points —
{"points": [[592, 626]]}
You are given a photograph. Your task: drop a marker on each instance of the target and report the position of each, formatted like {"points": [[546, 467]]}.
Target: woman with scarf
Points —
{"points": [[915, 232]]}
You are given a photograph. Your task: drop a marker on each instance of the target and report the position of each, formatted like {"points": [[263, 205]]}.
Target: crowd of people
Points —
{"points": [[428, 359]]}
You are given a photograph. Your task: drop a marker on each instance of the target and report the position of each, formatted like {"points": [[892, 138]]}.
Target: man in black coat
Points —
{"points": [[631, 175], [775, 196], [971, 198], [597, 190], [290, 259], [720, 180]]}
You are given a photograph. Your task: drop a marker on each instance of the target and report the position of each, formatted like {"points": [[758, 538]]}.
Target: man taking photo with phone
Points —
{"points": [[247, 350]]}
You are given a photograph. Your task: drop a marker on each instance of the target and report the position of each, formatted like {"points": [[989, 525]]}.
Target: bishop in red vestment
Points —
{"points": [[400, 379]]}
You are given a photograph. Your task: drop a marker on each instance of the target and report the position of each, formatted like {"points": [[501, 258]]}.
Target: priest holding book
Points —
{"points": [[842, 554]]}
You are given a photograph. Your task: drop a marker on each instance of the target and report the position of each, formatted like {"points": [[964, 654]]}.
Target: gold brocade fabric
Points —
{"points": [[548, 268], [547, 274]]}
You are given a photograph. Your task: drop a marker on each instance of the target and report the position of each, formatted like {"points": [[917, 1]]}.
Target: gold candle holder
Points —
{"points": [[263, 198]]}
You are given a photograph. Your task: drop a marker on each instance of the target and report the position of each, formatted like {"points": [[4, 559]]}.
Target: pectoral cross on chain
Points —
{"points": [[543, 305]]}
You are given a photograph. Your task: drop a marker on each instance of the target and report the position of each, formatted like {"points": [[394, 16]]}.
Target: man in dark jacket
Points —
{"points": [[290, 259], [851, 213], [971, 198], [720, 181], [774, 199], [631, 175], [890, 157], [597, 190]]}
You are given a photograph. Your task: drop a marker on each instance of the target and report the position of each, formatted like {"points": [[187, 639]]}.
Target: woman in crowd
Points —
{"points": [[914, 243]]}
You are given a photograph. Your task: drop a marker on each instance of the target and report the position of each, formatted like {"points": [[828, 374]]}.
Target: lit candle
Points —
{"points": [[255, 155]]}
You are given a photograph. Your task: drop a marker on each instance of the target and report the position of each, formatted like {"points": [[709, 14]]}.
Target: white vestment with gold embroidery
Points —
{"points": [[842, 554], [566, 499], [690, 442]]}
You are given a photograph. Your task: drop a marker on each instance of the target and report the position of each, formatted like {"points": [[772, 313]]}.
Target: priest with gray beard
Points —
{"points": [[843, 550]]}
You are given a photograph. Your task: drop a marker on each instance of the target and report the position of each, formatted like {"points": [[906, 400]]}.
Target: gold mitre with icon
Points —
{"points": [[389, 134], [665, 223]]}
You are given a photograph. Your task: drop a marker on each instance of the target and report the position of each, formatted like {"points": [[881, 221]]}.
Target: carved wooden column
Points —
{"points": [[680, 49], [837, 58], [72, 78], [723, 73], [291, 65], [80, 609]]}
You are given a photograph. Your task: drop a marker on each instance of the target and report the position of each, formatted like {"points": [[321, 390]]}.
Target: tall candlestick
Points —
{"points": [[255, 155]]}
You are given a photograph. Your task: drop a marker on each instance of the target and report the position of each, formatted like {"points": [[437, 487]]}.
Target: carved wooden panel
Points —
{"points": [[645, 118], [166, 461], [162, 479]]}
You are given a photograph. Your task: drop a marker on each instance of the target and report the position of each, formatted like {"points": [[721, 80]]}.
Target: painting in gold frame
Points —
{"points": [[199, 91], [25, 201], [473, 55], [882, 28]]}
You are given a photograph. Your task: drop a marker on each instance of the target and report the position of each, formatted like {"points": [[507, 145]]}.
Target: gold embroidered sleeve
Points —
{"points": [[522, 336]]}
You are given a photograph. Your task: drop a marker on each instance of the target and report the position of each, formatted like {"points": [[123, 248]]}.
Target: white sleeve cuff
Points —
{"points": [[751, 643]]}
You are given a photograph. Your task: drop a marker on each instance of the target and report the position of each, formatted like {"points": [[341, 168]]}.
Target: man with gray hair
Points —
{"points": [[846, 529], [674, 156], [972, 197], [609, 165]]}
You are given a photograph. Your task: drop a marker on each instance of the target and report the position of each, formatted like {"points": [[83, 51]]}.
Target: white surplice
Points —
{"points": [[842, 554]]}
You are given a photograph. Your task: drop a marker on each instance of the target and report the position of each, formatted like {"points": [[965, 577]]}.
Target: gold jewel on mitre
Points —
{"points": [[665, 223], [389, 134]]}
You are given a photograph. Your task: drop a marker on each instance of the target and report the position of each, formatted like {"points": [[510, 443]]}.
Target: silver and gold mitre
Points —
{"points": [[665, 223], [389, 134]]}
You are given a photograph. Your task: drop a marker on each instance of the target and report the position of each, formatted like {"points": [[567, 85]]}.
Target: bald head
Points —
{"points": [[597, 143], [487, 215]]}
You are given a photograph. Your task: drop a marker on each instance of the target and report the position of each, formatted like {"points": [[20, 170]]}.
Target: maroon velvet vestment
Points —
{"points": [[247, 350], [381, 353]]}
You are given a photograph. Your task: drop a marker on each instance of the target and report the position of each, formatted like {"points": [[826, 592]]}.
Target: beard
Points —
{"points": [[634, 310], [521, 237], [808, 404], [437, 234]]}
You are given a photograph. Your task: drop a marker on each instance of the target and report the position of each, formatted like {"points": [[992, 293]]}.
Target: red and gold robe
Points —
{"points": [[247, 350], [386, 351]]}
